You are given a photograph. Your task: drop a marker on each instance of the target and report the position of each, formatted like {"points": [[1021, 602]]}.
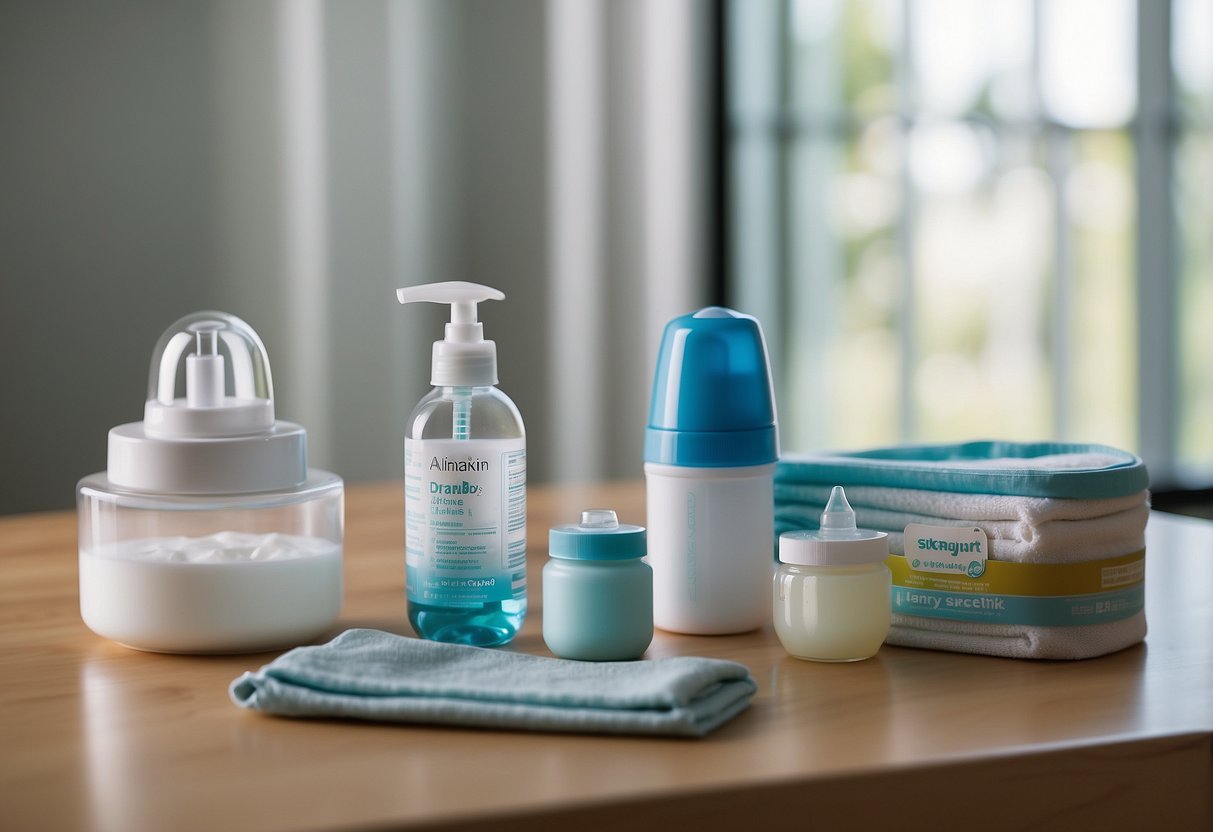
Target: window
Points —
{"points": [[961, 219], [1192, 43]]}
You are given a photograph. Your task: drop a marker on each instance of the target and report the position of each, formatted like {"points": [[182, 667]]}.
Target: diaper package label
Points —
{"points": [[946, 549], [926, 584]]}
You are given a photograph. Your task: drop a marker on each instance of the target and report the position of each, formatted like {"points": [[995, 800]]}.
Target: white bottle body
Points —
{"points": [[711, 544]]}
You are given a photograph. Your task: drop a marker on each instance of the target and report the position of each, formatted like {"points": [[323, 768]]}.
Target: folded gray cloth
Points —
{"points": [[373, 675]]}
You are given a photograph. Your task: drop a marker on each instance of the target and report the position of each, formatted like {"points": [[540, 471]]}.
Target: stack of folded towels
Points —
{"points": [[1047, 503]]}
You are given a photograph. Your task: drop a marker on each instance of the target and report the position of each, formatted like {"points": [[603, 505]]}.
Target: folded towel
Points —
{"points": [[373, 675], [1037, 503], [1039, 469], [1050, 541], [1017, 641], [1029, 510]]}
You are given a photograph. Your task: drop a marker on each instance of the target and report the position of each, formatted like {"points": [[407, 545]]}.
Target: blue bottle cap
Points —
{"points": [[599, 536], [712, 404]]}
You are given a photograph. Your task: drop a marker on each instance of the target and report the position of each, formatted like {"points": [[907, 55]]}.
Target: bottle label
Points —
{"points": [[465, 520]]}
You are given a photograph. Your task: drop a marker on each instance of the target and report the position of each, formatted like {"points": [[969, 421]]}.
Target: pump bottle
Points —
{"points": [[464, 485]]}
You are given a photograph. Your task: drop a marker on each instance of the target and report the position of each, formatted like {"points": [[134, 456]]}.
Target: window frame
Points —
{"points": [[1154, 131]]}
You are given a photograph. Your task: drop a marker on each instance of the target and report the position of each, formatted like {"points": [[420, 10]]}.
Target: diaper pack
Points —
{"points": [[1025, 550]]}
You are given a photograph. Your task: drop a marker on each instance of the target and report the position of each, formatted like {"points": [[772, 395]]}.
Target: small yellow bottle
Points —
{"points": [[832, 591]]}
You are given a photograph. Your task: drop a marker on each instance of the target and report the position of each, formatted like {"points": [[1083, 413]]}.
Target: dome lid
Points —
{"points": [[208, 422]]}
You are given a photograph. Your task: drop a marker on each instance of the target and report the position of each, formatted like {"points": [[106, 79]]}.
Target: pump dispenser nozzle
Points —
{"points": [[463, 358]]}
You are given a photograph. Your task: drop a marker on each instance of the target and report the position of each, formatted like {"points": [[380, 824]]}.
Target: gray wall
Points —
{"points": [[146, 165], [107, 182], [293, 162]]}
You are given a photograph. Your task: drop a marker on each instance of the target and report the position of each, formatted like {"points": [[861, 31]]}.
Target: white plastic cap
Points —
{"points": [[838, 542], [208, 424], [463, 358]]}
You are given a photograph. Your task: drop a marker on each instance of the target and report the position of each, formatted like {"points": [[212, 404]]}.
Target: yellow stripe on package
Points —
{"points": [[946, 573]]}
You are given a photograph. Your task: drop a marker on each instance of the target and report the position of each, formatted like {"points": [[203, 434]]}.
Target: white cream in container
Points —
{"points": [[208, 533]]}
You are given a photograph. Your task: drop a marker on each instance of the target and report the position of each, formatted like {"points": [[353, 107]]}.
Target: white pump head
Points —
{"points": [[463, 358]]}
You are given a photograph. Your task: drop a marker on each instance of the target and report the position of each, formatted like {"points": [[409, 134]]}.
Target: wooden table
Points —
{"points": [[96, 736]]}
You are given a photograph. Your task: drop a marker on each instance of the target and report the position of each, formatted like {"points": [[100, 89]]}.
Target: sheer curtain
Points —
{"points": [[293, 162], [555, 150], [628, 171], [996, 215]]}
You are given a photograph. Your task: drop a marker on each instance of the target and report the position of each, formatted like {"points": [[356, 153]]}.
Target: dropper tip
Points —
{"points": [[838, 519]]}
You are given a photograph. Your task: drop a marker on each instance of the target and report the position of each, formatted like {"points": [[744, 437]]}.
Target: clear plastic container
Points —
{"points": [[149, 579], [208, 533]]}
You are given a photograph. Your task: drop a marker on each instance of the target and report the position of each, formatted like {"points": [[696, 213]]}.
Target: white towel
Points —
{"points": [[1020, 529], [1019, 541], [961, 506], [1017, 641]]}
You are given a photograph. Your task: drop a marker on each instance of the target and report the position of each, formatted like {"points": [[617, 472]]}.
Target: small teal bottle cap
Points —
{"points": [[712, 402], [599, 536]]}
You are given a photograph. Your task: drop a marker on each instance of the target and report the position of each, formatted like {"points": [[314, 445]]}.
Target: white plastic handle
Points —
{"points": [[461, 295]]}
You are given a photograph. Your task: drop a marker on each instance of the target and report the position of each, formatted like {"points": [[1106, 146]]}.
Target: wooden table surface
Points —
{"points": [[97, 736]]}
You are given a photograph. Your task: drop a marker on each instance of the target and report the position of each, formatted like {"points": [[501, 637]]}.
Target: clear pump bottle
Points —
{"points": [[465, 486]]}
